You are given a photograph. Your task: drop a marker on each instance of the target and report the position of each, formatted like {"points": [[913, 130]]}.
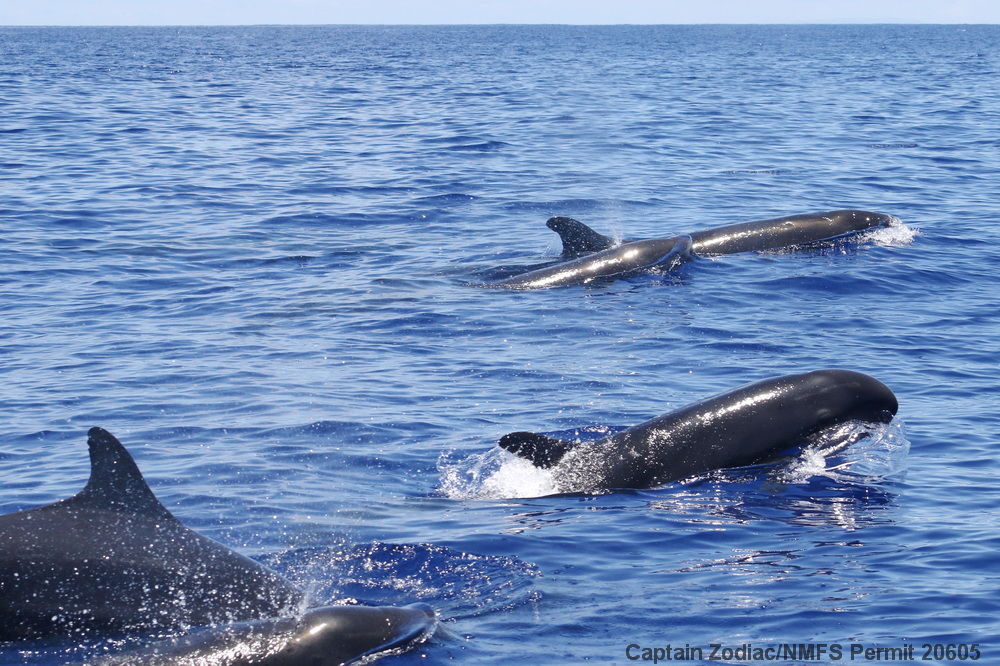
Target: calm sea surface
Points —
{"points": [[251, 253]]}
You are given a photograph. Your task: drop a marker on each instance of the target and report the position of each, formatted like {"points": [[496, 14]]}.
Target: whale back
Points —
{"points": [[113, 559], [749, 425], [801, 229], [781, 232], [626, 259], [324, 636]]}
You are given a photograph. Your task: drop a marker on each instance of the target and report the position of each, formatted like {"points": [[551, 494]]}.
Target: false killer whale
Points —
{"points": [[112, 560], [625, 259], [578, 239], [749, 425], [588, 254], [328, 635]]}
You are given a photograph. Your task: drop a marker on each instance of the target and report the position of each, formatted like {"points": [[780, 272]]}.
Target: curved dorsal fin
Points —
{"points": [[577, 237], [116, 484], [543, 451]]}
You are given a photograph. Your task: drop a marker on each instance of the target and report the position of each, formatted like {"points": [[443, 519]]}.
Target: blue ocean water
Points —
{"points": [[252, 254]]}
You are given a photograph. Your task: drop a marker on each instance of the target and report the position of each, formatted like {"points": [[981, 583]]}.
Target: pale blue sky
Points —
{"points": [[243, 12]]}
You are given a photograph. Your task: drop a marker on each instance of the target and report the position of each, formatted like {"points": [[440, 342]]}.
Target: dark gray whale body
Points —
{"points": [[749, 425], [589, 255], [328, 635], [578, 239], [112, 560], [625, 259]]}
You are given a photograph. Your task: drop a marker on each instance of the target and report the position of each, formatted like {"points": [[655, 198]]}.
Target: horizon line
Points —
{"points": [[456, 25]]}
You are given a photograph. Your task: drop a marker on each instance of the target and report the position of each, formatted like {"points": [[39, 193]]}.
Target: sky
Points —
{"points": [[312, 12]]}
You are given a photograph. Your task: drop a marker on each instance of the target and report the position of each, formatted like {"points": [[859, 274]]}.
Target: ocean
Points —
{"points": [[255, 254]]}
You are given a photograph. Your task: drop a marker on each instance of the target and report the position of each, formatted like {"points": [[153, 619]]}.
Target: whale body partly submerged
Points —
{"points": [[752, 424], [588, 255], [113, 561], [321, 636]]}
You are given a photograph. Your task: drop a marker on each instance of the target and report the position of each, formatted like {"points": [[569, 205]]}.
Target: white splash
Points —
{"points": [[495, 474], [880, 452], [895, 234]]}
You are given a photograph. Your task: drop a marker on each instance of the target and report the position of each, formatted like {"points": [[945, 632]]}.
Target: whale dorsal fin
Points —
{"points": [[116, 484], [577, 237], [541, 450]]}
